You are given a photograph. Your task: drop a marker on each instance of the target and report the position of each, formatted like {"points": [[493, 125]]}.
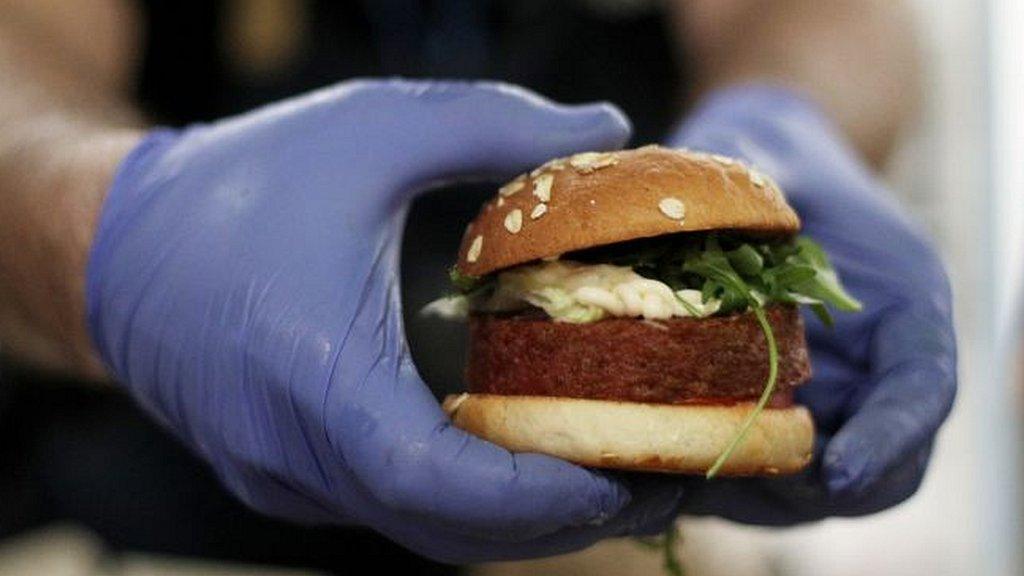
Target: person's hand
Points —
{"points": [[243, 286], [884, 379]]}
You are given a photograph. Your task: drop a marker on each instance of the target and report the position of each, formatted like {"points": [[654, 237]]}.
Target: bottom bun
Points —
{"points": [[684, 439]]}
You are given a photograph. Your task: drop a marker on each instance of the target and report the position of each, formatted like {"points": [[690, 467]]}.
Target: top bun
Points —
{"points": [[597, 198]]}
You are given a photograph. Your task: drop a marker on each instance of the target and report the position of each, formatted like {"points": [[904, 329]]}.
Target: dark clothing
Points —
{"points": [[91, 456], [564, 49]]}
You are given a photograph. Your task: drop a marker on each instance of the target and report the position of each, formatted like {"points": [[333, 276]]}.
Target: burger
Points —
{"points": [[638, 310]]}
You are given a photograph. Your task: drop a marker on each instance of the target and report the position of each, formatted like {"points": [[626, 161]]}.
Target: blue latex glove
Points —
{"points": [[884, 379], [244, 287]]}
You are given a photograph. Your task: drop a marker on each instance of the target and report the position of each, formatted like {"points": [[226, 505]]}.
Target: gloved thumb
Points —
{"points": [[470, 131]]}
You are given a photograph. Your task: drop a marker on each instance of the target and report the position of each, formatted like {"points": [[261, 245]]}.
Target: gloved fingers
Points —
{"points": [[777, 130], [397, 444], [400, 137], [895, 486], [650, 511], [492, 130], [408, 457], [767, 501], [913, 365], [802, 497], [657, 498], [833, 383], [655, 503], [270, 495], [779, 501]]}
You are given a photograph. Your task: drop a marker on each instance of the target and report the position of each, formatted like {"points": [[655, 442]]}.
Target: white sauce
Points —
{"points": [[574, 292]]}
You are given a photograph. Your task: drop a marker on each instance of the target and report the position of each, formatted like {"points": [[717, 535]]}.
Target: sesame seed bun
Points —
{"points": [[593, 199], [637, 436]]}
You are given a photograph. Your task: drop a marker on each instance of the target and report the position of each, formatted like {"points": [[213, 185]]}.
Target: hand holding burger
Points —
{"points": [[243, 287], [883, 379]]}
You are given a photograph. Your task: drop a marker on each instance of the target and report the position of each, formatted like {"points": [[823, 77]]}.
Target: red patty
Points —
{"points": [[679, 361]]}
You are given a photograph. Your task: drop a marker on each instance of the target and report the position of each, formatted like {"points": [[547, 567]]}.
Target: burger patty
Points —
{"points": [[722, 359]]}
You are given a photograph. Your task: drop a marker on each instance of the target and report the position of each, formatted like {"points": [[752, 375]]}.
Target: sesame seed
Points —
{"points": [[551, 165], [673, 208], [756, 178], [587, 162], [511, 188], [453, 406], [723, 160], [514, 221], [501, 201], [542, 187], [538, 211], [474, 249]]}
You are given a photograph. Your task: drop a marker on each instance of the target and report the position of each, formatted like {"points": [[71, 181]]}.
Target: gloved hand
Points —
{"points": [[243, 286], [884, 379]]}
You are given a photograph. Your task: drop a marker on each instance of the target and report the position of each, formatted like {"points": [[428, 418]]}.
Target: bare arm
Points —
{"points": [[64, 126], [857, 58]]}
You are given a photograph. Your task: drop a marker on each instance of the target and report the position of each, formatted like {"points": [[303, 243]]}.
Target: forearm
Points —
{"points": [[857, 58], [63, 130]]}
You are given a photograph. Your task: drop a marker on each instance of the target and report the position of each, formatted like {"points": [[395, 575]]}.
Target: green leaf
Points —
{"points": [[766, 394], [671, 562], [462, 282], [825, 284], [746, 260], [810, 251], [722, 266], [823, 314], [472, 287], [667, 544], [787, 275]]}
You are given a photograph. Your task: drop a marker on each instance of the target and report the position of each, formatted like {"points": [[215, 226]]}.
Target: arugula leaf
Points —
{"points": [[472, 287], [667, 544], [670, 561], [788, 274], [769, 389], [713, 264], [462, 283], [821, 311], [794, 271], [746, 260], [825, 284]]}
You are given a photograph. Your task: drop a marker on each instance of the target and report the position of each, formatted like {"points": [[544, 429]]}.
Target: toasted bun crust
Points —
{"points": [[603, 198], [636, 436]]}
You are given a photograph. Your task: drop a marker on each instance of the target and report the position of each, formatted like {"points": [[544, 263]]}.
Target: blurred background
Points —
{"points": [[960, 170]]}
